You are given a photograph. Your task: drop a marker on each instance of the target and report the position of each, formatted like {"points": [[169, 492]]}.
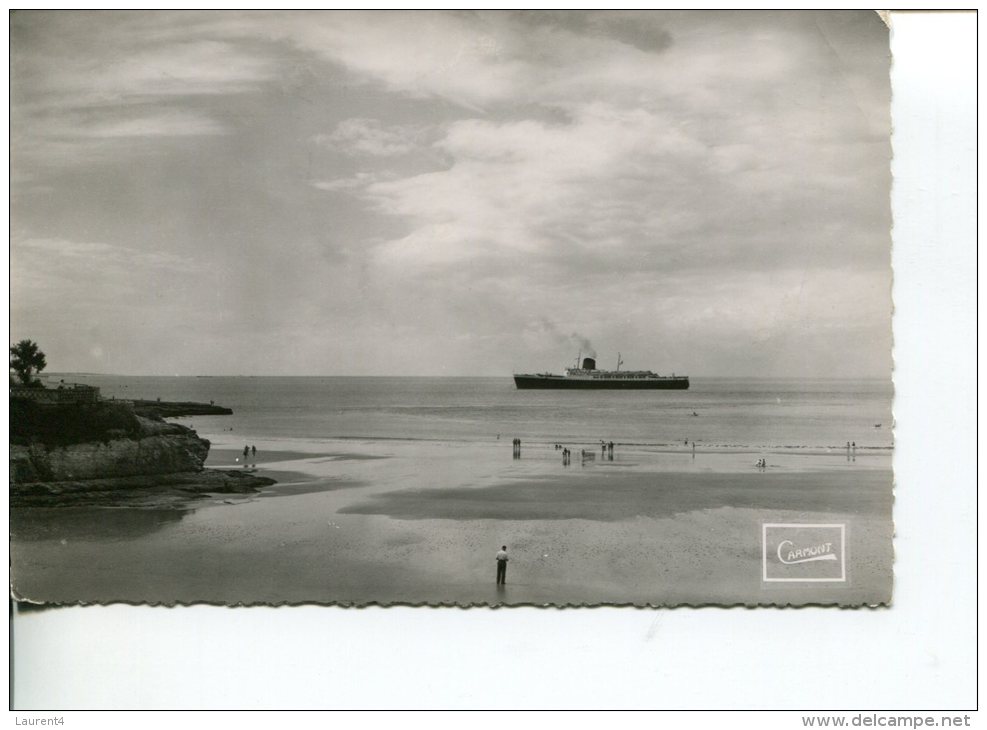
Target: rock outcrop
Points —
{"points": [[159, 448], [57, 452], [152, 491]]}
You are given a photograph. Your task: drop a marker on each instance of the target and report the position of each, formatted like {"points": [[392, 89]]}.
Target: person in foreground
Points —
{"points": [[502, 565]]}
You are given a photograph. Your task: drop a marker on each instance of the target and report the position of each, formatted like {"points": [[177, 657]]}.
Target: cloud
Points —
{"points": [[83, 80], [54, 253], [369, 137], [76, 59], [360, 180], [632, 189], [164, 124], [420, 54], [461, 183]]}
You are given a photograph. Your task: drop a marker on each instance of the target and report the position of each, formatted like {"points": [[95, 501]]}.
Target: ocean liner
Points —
{"points": [[588, 377]]}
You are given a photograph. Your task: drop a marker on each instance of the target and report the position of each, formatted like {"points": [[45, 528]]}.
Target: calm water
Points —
{"points": [[412, 504], [730, 412]]}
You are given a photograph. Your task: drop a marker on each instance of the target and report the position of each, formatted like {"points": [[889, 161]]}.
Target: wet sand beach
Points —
{"points": [[412, 522]]}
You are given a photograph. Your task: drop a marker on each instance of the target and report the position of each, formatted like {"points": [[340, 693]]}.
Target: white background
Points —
{"points": [[920, 653]]}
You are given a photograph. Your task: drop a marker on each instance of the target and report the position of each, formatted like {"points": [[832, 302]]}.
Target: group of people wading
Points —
{"points": [[249, 451], [606, 451]]}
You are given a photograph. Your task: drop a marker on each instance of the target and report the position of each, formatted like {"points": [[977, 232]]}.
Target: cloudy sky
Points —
{"points": [[451, 193]]}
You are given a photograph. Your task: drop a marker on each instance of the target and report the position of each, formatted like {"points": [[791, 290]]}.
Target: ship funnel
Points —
{"points": [[589, 363]]}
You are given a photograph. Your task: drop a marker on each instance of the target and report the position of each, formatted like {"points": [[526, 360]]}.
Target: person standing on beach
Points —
{"points": [[246, 451], [502, 565]]}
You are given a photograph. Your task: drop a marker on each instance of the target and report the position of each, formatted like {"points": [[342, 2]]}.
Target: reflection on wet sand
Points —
{"points": [[620, 496], [97, 524]]}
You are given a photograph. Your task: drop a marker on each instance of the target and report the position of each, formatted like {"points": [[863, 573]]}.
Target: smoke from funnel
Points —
{"points": [[585, 346], [546, 328]]}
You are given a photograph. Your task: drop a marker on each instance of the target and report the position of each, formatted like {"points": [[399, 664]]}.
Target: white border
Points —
{"points": [[764, 552]]}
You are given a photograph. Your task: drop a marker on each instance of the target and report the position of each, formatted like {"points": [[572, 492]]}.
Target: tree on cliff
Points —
{"points": [[26, 360]]}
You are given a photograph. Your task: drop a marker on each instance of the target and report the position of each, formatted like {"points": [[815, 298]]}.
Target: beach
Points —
{"points": [[357, 522]]}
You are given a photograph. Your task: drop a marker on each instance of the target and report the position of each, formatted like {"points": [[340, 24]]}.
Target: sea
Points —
{"points": [[714, 412], [401, 490]]}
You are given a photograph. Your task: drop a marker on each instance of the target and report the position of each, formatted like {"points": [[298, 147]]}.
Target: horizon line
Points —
{"points": [[322, 375]]}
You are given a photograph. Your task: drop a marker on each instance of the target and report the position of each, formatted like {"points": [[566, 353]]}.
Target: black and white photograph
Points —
{"points": [[451, 308]]}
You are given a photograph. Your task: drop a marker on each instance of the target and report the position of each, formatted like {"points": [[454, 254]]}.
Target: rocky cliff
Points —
{"points": [[99, 441], [104, 447], [157, 449]]}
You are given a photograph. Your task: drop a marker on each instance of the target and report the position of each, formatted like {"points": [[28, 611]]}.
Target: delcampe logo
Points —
{"points": [[803, 553]]}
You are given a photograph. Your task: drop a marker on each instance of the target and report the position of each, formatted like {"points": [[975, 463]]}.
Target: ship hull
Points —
{"points": [[558, 382]]}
